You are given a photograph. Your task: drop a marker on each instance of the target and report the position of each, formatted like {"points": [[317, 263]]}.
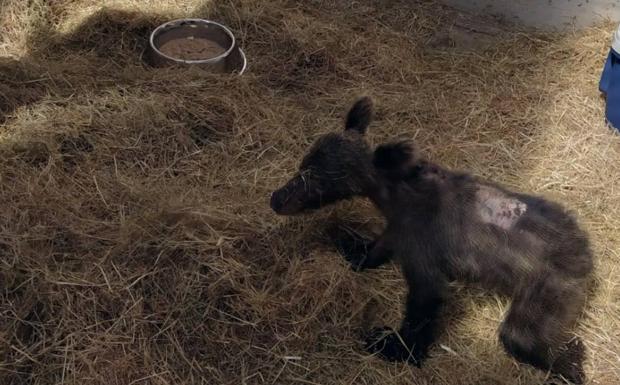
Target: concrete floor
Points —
{"points": [[545, 14]]}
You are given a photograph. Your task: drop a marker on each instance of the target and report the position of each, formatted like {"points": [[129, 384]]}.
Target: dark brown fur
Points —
{"points": [[444, 225]]}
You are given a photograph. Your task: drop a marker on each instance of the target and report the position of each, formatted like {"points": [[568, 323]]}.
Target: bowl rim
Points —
{"points": [[245, 61], [176, 23]]}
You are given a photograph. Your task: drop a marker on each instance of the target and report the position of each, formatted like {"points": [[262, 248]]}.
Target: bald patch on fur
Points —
{"points": [[496, 208]]}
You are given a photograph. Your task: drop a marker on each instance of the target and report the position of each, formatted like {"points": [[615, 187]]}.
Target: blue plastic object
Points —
{"points": [[610, 84], [606, 76]]}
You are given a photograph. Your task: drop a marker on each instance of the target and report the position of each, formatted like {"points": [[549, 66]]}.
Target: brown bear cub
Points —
{"points": [[444, 226]]}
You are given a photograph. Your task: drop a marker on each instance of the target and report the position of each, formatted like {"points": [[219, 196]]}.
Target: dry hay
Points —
{"points": [[136, 243]]}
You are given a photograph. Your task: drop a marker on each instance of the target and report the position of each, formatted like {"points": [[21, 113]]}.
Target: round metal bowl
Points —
{"points": [[231, 60]]}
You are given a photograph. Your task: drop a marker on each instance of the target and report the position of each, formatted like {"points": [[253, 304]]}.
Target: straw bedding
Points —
{"points": [[136, 241]]}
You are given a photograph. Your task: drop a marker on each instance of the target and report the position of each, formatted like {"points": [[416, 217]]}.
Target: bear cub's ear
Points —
{"points": [[397, 159], [360, 115]]}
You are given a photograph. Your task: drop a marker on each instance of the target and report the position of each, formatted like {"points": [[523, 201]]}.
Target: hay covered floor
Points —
{"points": [[136, 241]]}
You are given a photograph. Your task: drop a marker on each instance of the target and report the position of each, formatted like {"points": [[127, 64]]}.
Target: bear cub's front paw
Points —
{"points": [[386, 343], [353, 247]]}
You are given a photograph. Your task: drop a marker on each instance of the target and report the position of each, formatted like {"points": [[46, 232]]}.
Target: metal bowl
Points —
{"points": [[236, 61], [231, 60]]}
